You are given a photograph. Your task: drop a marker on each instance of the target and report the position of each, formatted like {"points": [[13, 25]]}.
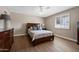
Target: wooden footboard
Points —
{"points": [[42, 40]]}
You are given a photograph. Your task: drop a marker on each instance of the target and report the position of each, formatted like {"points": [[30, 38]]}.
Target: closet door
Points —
{"points": [[77, 32], [77, 35]]}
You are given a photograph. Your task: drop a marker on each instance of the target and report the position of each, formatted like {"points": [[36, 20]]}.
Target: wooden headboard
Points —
{"points": [[28, 25]]}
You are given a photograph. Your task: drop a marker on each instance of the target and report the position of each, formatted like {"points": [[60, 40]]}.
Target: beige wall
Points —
{"points": [[70, 33], [19, 20]]}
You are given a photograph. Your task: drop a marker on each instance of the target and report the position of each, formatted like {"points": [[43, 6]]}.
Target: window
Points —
{"points": [[62, 21]]}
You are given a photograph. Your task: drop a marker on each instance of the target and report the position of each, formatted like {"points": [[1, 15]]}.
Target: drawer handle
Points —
{"points": [[5, 32]]}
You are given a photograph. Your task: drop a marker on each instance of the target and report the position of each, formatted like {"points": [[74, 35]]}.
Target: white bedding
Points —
{"points": [[35, 34]]}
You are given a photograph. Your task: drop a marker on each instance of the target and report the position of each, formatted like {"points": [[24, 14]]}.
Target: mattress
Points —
{"points": [[36, 34]]}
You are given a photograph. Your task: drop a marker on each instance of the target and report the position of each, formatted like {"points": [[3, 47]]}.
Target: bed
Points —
{"points": [[38, 36]]}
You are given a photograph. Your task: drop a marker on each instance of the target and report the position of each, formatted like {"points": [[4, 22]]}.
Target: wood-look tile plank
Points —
{"points": [[22, 44]]}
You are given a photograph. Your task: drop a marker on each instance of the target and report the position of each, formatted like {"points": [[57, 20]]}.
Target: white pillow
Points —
{"points": [[31, 28], [39, 27]]}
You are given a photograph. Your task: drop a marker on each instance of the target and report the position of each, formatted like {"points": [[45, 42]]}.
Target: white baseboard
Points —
{"points": [[66, 38], [55, 35], [19, 34]]}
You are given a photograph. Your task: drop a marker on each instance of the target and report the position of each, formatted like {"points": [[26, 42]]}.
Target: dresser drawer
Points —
{"points": [[1, 35], [2, 44], [6, 39]]}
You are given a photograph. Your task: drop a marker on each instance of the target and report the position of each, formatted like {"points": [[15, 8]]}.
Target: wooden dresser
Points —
{"points": [[6, 39]]}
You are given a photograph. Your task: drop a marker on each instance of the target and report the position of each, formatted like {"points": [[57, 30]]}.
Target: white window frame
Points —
{"points": [[64, 23]]}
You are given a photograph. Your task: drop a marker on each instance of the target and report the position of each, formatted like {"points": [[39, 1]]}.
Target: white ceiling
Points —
{"points": [[35, 10]]}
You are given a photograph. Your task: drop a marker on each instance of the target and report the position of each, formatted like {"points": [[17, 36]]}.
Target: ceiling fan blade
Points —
{"points": [[41, 8]]}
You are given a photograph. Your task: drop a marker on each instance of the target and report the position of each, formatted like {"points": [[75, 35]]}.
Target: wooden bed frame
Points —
{"points": [[40, 40]]}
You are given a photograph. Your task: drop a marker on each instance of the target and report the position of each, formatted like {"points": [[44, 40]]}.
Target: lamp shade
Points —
{"points": [[4, 16]]}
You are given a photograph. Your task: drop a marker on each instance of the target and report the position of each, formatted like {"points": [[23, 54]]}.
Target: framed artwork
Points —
{"points": [[62, 21]]}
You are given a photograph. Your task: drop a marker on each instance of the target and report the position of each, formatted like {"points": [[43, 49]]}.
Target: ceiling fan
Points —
{"points": [[42, 8]]}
